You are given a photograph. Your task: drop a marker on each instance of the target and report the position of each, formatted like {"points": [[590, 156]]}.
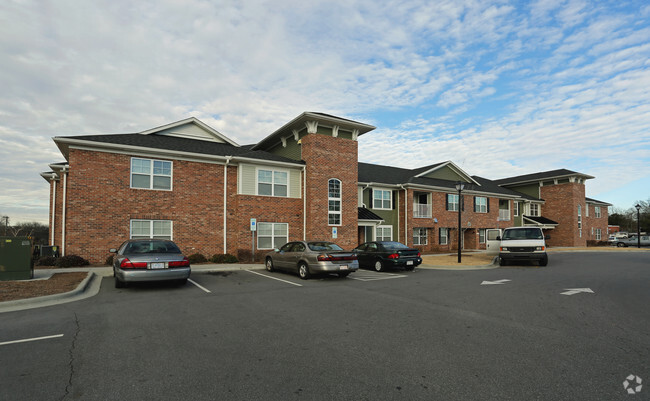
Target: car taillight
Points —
{"points": [[419, 254], [324, 258], [393, 256], [127, 264], [181, 263]]}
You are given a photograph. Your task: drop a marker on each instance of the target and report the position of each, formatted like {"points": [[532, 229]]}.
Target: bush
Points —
{"points": [[109, 260], [197, 258], [71, 261], [224, 258], [46, 261]]}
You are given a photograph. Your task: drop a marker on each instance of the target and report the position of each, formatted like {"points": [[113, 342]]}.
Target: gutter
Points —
{"points": [[225, 203]]}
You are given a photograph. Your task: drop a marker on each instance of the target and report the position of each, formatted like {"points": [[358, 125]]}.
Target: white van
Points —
{"points": [[523, 243]]}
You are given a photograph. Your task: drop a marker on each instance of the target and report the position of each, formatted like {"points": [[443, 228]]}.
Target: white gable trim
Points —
{"points": [[219, 137], [455, 168]]}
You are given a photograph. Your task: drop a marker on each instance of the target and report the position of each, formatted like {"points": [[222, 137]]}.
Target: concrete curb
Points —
{"points": [[86, 289], [493, 265]]}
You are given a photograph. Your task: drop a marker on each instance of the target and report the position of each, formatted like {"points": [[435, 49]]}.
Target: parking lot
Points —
{"points": [[505, 333]]}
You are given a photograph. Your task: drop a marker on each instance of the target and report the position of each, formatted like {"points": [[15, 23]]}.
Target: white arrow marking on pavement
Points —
{"points": [[495, 282], [573, 291]]}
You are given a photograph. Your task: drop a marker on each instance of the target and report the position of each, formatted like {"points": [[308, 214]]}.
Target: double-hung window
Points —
{"points": [[384, 233], [580, 218], [481, 235], [420, 236], [272, 235], [452, 202], [597, 211], [443, 236], [334, 201], [382, 199], [534, 209], [272, 182], [480, 204], [151, 174], [161, 229]]}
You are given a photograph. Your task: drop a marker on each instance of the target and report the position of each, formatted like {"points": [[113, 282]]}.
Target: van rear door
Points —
{"points": [[492, 243]]}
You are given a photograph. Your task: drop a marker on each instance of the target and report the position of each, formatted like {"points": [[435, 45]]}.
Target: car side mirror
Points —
{"points": [[276, 250], [112, 250]]}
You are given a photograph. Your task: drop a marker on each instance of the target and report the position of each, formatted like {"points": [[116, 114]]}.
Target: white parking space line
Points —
{"points": [[31, 339], [274, 278], [373, 276], [199, 285]]}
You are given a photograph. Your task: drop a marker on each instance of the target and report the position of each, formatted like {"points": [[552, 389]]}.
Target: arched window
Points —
{"points": [[334, 200]]}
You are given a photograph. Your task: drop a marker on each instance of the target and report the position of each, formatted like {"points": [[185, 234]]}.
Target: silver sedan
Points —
{"points": [[310, 257]]}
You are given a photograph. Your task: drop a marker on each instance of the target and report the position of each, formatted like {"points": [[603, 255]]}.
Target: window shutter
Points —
{"points": [[461, 202], [488, 205], [475, 204], [447, 202], [439, 236], [371, 202], [393, 200]]}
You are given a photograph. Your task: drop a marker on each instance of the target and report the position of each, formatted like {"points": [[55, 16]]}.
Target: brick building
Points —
{"points": [[188, 182]]}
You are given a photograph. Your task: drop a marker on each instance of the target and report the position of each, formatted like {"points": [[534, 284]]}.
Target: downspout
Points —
{"points": [[406, 215], [225, 203], [304, 203], [63, 209]]}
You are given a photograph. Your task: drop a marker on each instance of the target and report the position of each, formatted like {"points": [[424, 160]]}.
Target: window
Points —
{"points": [[420, 236], [443, 236], [272, 183], [334, 199], [384, 233], [598, 234], [597, 211], [481, 235], [480, 204], [580, 219], [272, 235], [534, 209], [151, 229], [382, 199], [452, 202], [516, 209], [151, 174]]}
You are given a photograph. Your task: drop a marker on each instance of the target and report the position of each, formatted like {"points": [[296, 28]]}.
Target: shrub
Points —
{"points": [[46, 261], [224, 258], [71, 261], [197, 258]]}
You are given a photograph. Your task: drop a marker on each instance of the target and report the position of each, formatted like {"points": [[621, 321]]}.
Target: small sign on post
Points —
{"points": [[335, 232], [253, 229]]}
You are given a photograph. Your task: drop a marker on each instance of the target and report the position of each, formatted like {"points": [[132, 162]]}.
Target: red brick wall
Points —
{"points": [[561, 205], [592, 222], [329, 157]]}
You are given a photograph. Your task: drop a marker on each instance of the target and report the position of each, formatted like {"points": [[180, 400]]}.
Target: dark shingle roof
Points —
{"points": [[365, 214], [165, 142], [541, 220], [544, 175]]}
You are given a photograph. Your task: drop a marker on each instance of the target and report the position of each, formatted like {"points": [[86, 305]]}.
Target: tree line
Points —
{"points": [[627, 218]]}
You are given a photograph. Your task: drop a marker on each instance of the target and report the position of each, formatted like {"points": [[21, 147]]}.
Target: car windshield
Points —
{"points": [[394, 245], [153, 246], [323, 246], [524, 233]]}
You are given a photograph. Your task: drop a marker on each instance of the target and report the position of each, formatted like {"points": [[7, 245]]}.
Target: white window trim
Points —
{"points": [[273, 171], [171, 227], [339, 199], [390, 198], [516, 208], [446, 237], [383, 236], [484, 231], [151, 175], [597, 213], [457, 203], [273, 244], [480, 206], [426, 236]]}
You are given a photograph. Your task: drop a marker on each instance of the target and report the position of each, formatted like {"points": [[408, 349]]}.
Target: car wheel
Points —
{"points": [[344, 275], [303, 271], [543, 261], [269, 265], [379, 266], [620, 245], [502, 262]]}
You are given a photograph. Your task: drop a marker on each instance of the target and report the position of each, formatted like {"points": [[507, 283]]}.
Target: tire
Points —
{"points": [[543, 261], [269, 265], [502, 262], [344, 275], [379, 265], [620, 244], [303, 271]]}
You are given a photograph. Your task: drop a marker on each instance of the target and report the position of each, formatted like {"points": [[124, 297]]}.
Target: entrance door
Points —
{"points": [[492, 243]]}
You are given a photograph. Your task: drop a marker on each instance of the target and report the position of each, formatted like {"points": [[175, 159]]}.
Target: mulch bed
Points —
{"points": [[58, 283]]}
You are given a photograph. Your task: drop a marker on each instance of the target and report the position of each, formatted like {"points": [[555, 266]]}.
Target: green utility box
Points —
{"points": [[16, 258]]}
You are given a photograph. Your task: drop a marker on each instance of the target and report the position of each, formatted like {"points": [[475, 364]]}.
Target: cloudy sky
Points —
{"points": [[501, 88]]}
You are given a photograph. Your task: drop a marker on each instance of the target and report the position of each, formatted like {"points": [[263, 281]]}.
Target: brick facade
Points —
{"points": [[562, 201]]}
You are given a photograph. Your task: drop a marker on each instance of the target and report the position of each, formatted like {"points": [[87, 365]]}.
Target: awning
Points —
{"points": [[540, 221], [366, 217]]}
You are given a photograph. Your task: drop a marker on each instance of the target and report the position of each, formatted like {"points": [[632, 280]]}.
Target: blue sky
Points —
{"points": [[501, 88]]}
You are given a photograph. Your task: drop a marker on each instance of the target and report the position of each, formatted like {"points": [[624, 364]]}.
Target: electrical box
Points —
{"points": [[16, 261]]}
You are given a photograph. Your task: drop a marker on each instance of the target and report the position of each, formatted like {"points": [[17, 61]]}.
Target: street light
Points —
{"points": [[638, 225], [6, 219], [459, 188]]}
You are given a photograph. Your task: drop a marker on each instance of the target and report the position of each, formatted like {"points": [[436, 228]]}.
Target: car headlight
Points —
{"points": [[539, 248], [504, 248]]}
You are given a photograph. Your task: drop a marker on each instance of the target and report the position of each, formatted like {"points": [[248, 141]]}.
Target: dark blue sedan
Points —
{"points": [[387, 255]]}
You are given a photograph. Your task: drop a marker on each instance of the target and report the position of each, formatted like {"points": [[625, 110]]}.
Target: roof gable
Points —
{"points": [[190, 128], [445, 171]]}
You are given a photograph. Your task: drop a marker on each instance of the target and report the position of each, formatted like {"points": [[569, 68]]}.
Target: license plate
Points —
{"points": [[409, 262], [157, 266], [343, 267]]}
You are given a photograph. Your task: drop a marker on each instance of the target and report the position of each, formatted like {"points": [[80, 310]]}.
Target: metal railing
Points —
{"points": [[421, 210]]}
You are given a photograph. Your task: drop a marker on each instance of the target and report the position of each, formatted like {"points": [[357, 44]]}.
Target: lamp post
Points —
{"points": [[6, 219], [459, 188], [638, 225]]}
